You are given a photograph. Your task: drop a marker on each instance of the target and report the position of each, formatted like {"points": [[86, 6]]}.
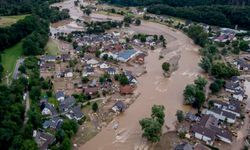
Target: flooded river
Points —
{"points": [[154, 89]]}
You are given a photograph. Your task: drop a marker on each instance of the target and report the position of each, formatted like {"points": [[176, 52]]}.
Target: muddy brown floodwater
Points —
{"points": [[154, 89]]}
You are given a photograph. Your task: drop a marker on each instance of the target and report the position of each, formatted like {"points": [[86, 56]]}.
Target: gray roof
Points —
{"points": [[232, 85], [67, 103], [120, 105], [184, 146], [203, 130], [76, 112], [59, 94], [44, 139], [53, 123]]}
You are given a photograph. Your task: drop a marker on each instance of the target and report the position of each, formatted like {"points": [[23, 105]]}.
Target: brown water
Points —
{"points": [[154, 89]]}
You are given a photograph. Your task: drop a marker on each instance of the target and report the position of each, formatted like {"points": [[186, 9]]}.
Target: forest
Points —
{"points": [[226, 13]]}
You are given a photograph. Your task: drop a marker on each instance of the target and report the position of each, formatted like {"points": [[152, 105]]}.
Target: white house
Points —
{"points": [[221, 115], [104, 66]]}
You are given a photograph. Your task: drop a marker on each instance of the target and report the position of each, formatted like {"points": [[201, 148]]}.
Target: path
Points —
{"points": [[27, 107], [16, 71]]}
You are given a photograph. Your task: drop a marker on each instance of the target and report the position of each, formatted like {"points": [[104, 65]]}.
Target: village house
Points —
{"points": [[47, 66], [104, 66], [232, 106], [119, 106], [140, 58], [75, 113], [126, 89], [221, 114], [126, 55], [91, 91], [60, 95], [65, 57], [67, 103], [208, 130], [233, 87], [192, 117], [48, 109], [111, 71], [43, 139], [88, 71], [92, 62], [53, 123], [48, 58], [68, 73], [131, 78], [183, 146], [242, 64]]}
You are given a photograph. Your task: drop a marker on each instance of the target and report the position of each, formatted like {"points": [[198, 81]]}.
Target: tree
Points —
{"points": [[85, 79], [152, 126], [200, 82], [66, 144], [165, 66], [95, 107], [189, 94], [137, 22], [1, 71], [70, 127], [197, 33], [199, 99], [221, 70], [180, 116], [205, 64], [243, 45], [151, 129], [29, 145], [127, 19], [123, 79], [98, 53], [214, 87], [87, 11], [158, 113]]}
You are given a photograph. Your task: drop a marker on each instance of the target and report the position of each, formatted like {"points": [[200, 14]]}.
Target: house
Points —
{"points": [[92, 62], [111, 71], [203, 133], [119, 106], [199, 146], [68, 73], [126, 55], [104, 66], [233, 106], [88, 71], [232, 87], [48, 58], [191, 117], [43, 139], [91, 91], [67, 103], [65, 57], [140, 58], [131, 78], [60, 95], [221, 114], [183, 146], [242, 64], [239, 95], [46, 66], [53, 123], [75, 113], [126, 89], [207, 130], [48, 109]]}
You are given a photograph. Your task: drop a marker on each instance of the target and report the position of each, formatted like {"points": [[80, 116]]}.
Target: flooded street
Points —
{"points": [[154, 89]]}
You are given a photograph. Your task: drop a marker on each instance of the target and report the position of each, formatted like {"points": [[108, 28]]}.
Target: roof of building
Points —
{"points": [[67, 103], [126, 54], [43, 139], [204, 131], [120, 105], [184, 146], [59, 94]]}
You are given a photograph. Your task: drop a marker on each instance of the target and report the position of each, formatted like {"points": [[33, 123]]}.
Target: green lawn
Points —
{"points": [[9, 20], [52, 47], [9, 58]]}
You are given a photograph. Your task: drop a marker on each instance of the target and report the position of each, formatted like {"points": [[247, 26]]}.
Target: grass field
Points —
{"points": [[10, 56], [52, 47], [9, 20]]}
